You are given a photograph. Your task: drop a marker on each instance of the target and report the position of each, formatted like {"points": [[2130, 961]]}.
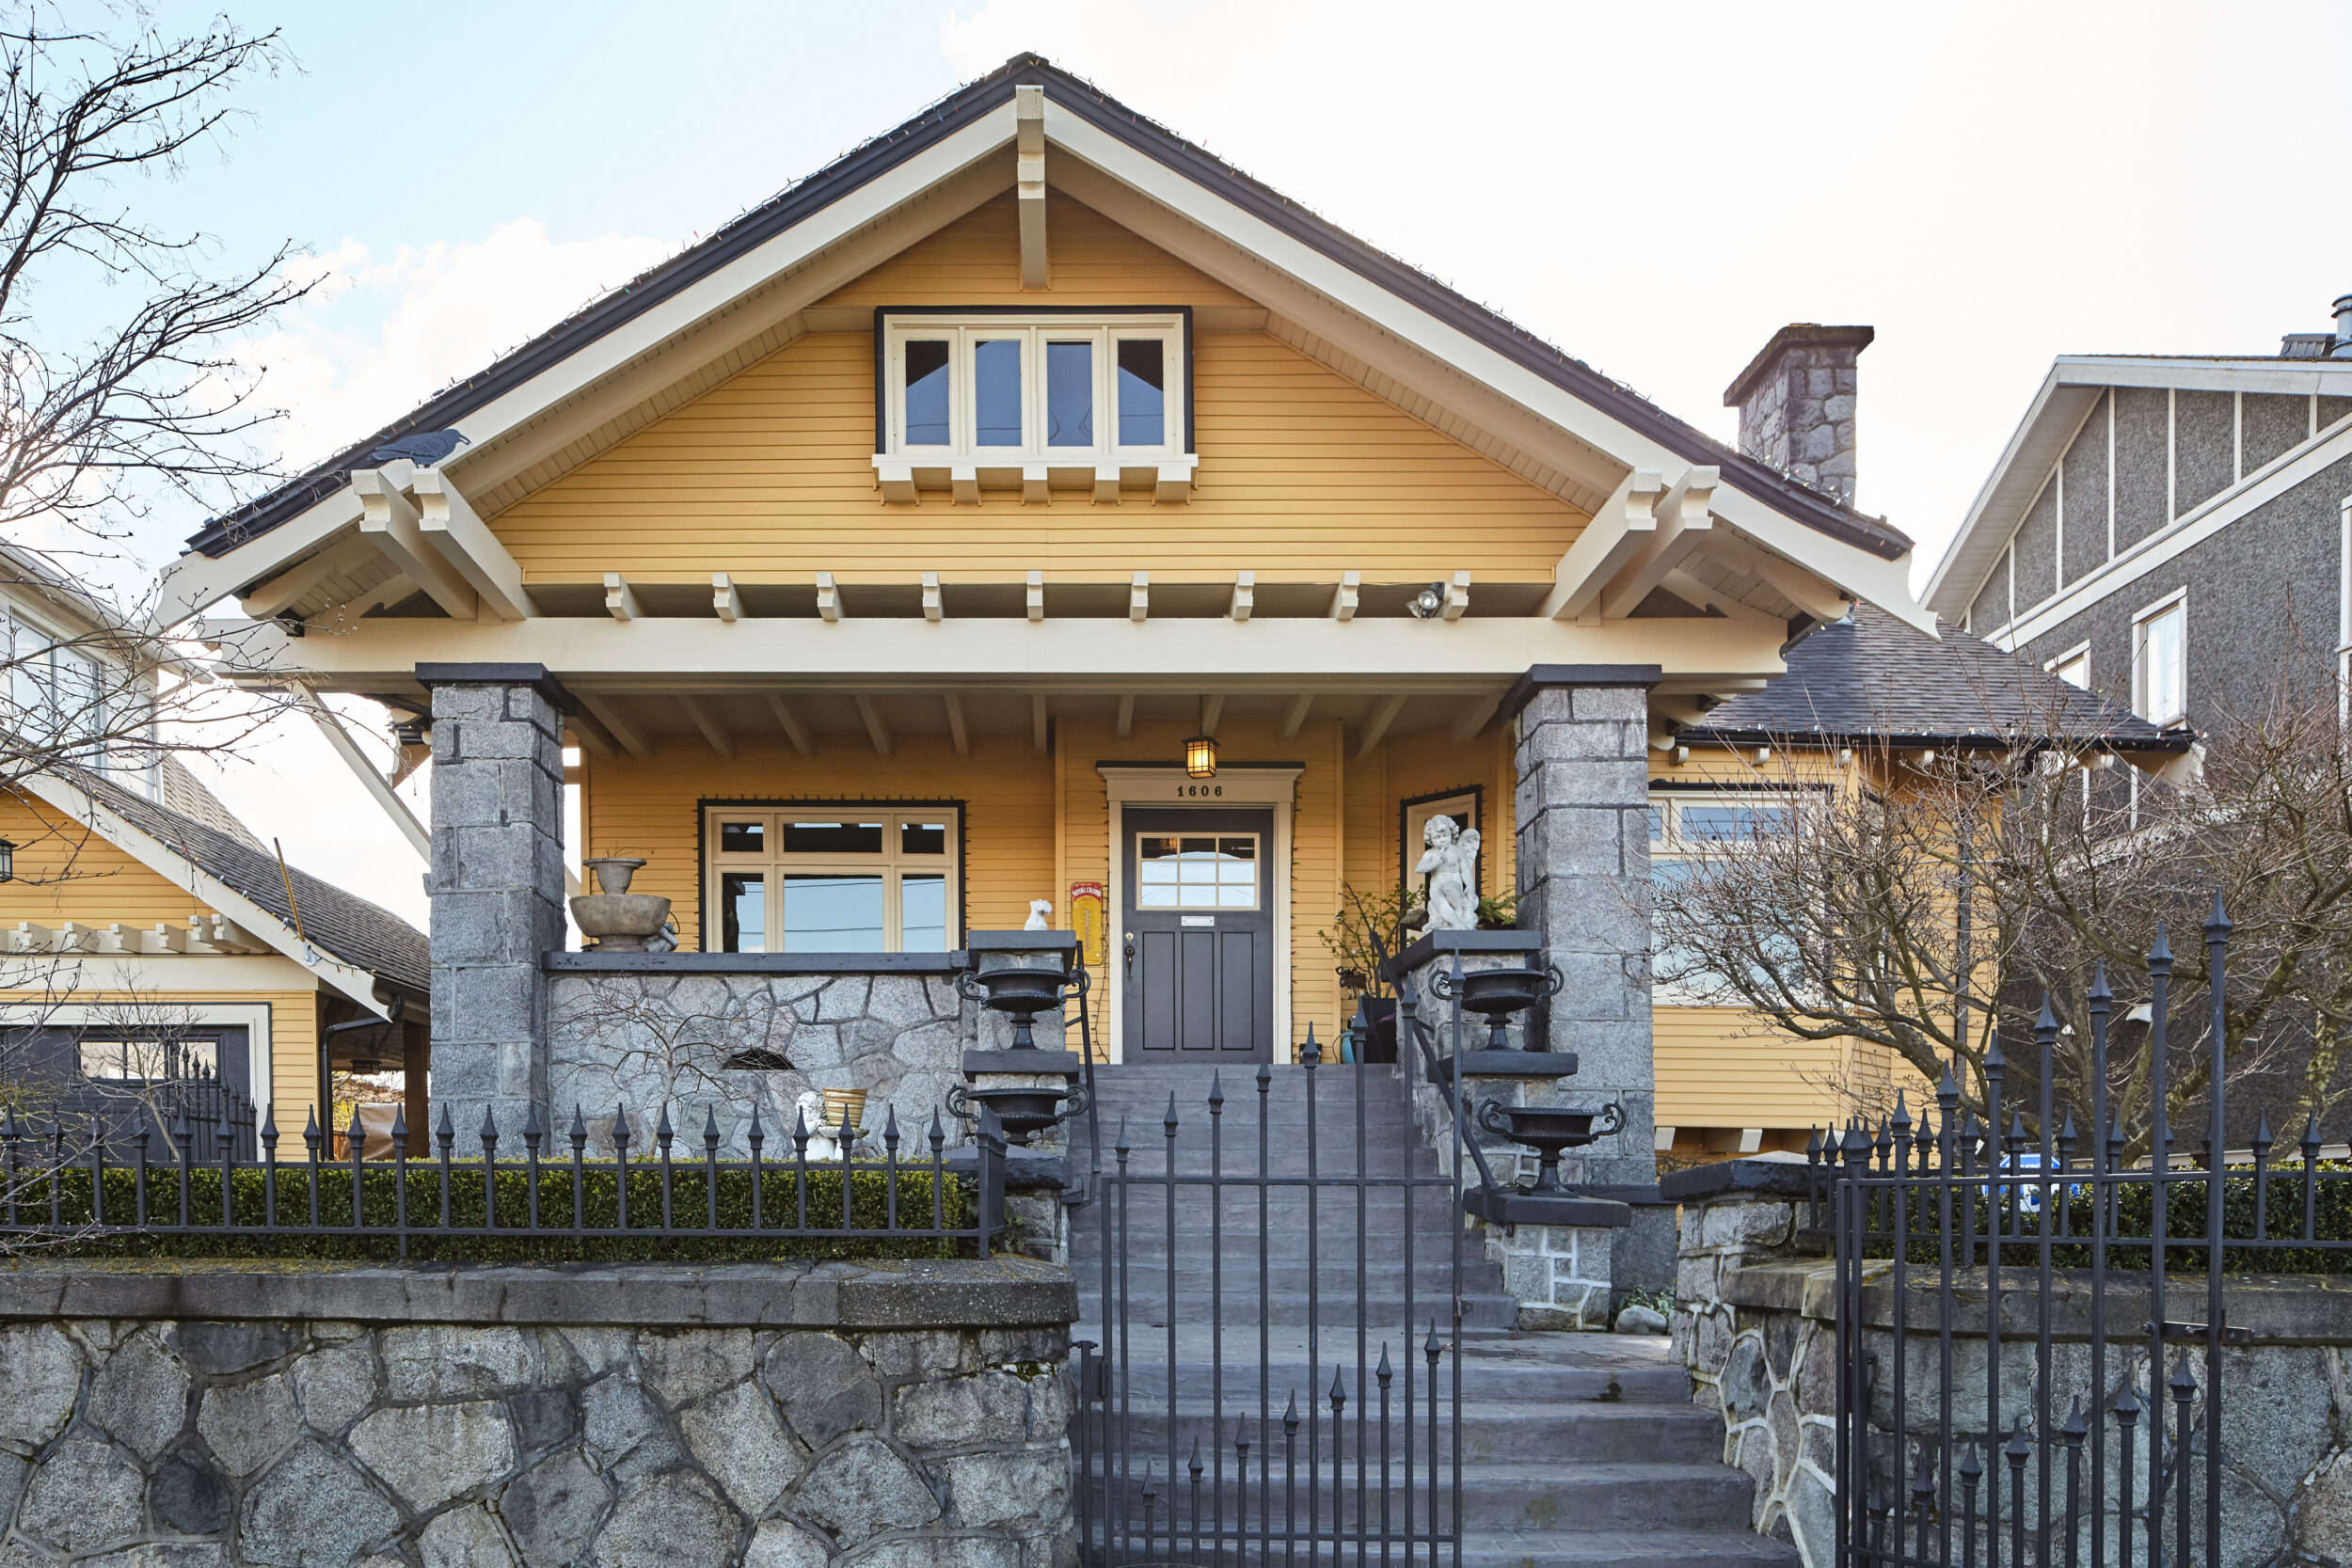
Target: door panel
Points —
{"points": [[1198, 919]]}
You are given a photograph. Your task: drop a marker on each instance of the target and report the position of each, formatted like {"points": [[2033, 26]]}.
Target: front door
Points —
{"points": [[1198, 953]]}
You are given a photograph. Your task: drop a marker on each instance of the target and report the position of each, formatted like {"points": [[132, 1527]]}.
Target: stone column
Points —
{"points": [[1583, 807], [497, 886]]}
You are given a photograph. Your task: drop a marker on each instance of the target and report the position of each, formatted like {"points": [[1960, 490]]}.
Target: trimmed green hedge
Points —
{"points": [[2184, 1216], [511, 1239]]}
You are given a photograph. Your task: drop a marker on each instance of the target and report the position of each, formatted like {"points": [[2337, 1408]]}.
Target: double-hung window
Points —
{"points": [[832, 878], [1008, 390], [2160, 660]]}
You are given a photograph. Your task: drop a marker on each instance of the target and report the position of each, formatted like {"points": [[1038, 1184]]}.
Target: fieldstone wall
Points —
{"points": [[295, 1441], [1754, 1324]]}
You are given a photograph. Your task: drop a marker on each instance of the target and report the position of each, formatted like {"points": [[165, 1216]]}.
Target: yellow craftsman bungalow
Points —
{"points": [[1031, 509]]}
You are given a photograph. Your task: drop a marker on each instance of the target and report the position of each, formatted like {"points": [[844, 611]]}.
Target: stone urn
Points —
{"points": [[618, 920]]}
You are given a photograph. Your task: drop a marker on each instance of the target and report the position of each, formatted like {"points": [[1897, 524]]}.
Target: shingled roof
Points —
{"points": [[1816, 509], [363, 935], [1868, 677]]}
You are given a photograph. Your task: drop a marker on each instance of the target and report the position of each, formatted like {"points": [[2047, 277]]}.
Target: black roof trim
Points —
{"points": [[877, 157], [1946, 739]]}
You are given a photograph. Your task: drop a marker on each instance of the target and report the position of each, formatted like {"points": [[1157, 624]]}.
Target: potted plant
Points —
{"points": [[1371, 930]]}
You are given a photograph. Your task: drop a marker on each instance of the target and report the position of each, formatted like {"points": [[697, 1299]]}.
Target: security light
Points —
{"points": [[1426, 603]]}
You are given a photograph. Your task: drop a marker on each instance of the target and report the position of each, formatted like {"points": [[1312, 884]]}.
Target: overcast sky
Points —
{"points": [[1652, 188]]}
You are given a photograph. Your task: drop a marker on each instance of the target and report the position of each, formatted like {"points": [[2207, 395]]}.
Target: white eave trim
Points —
{"points": [[358, 984]]}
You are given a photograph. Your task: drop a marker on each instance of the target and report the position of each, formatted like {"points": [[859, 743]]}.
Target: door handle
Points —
{"points": [[1131, 953]]}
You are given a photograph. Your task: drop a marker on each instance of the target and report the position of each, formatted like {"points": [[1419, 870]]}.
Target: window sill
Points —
{"points": [[903, 479]]}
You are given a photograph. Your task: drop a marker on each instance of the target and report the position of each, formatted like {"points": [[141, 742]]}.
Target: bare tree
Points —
{"points": [[1925, 903], [688, 1043]]}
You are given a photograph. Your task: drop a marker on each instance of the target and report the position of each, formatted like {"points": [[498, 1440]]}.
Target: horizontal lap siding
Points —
{"points": [[647, 807], [65, 871], [1718, 1066], [1302, 473]]}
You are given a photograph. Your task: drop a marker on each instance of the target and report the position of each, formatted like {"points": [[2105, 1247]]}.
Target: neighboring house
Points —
{"points": [[890, 554], [144, 930], [1863, 692], [2173, 531]]}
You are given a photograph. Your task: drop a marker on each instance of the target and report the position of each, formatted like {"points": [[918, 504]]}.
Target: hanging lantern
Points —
{"points": [[8, 861], [1200, 758]]}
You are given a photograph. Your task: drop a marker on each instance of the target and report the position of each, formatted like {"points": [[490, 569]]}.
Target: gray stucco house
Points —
{"points": [[2173, 531]]}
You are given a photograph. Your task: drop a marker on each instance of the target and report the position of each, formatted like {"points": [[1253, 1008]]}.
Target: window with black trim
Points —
{"points": [[832, 878]]}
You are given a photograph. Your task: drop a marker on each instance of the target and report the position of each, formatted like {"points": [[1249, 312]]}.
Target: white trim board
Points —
{"points": [[1246, 788], [2275, 479]]}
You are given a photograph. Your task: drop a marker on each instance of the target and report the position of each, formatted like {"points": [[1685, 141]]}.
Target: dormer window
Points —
{"points": [[1033, 401]]}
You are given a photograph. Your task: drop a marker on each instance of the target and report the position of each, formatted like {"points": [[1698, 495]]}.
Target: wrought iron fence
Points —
{"points": [[94, 1178], [1957, 1226]]}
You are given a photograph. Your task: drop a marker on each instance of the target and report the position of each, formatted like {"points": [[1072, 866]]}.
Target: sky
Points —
{"points": [[1653, 188]]}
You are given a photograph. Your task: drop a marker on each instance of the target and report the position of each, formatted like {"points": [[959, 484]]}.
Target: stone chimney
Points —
{"points": [[1796, 404]]}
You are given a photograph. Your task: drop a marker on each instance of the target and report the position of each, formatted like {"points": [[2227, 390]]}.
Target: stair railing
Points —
{"points": [[1451, 1086]]}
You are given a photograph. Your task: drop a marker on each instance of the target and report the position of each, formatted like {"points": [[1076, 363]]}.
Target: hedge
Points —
{"points": [[511, 1240], [2135, 1206]]}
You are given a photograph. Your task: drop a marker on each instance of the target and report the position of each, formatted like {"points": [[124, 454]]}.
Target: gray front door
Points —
{"points": [[1198, 955]]}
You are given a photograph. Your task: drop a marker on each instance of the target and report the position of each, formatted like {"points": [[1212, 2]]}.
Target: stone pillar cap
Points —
{"points": [[1795, 335], [533, 676]]}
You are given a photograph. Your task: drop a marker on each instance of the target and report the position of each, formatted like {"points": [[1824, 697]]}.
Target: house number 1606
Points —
{"points": [[1185, 792]]}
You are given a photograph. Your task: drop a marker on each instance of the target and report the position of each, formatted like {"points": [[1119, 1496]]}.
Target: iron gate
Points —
{"points": [[1276, 1295], [1958, 1226]]}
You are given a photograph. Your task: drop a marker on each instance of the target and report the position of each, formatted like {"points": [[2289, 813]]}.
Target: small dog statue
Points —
{"points": [[1041, 915]]}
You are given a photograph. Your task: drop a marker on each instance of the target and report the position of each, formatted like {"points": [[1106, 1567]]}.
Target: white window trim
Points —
{"points": [[2081, 651], [2177, 599], [774, 865], [252, 1017], [1670, 845], [966, 331]]}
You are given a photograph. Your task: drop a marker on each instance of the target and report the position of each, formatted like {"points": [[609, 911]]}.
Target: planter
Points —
{"points": [[1496, 994], [620, 922], [1550, 1130], [1021, 994], [613, 872]]}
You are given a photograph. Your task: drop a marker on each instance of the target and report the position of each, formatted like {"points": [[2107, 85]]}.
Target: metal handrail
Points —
{"points": [[1456, 1099]]}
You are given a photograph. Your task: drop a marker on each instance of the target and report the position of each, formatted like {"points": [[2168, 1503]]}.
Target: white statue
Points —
{"points": [[1041, 915], [822, 1145], [1450, 864]]}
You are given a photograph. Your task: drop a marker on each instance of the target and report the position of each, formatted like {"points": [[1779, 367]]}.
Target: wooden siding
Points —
{"points": [[1721, 1068], [1303, 472], [647, 806]]}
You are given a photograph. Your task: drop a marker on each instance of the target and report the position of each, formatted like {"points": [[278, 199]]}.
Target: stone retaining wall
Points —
{"points": [[780, 1416], [1754, 1322]]}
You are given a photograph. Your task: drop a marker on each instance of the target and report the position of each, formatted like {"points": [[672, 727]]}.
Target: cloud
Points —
{"points": [[376, 338]]}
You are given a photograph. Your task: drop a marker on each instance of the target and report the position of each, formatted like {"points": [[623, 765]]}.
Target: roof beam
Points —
{"points": [[1621, 526], [279, 593], [1814, 595], [1346, 596], [1034, 597], [956, 731], [633, 739], [1212, 709], [1028, 121], [1471, 719], [620, 599], [1038, 731], [1245, 596], [1378, 725], [1683, 586], [714, 732], [1126, 714], [726, 600], [827, 599], [453, 529], [1457, 597], [876, 730], [392, 522], [790, 723], [1295, 718], [379, 788], [1139, 598], [592, 735], [1682, 522], [934, 608]]}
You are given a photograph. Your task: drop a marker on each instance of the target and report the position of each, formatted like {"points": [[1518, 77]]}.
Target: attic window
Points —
{"points": [[1030, 401]]}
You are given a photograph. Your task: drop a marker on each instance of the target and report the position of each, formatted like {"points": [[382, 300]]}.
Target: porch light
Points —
{"points": [[1200, 756], [1425, 604], [8, 861]]}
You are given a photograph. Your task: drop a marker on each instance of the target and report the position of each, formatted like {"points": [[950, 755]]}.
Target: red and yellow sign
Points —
{"points": [[1085, 919]]}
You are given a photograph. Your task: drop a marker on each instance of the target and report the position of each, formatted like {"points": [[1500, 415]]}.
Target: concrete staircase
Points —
{"points": [[1575, 1448]]}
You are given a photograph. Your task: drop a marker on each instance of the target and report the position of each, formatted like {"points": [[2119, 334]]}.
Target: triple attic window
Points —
{"points": [[1007, 389]]}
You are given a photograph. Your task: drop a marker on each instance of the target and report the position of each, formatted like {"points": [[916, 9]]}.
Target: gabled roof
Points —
{"points": [[349, 939], [963, 109], [2066, 397], [1870, 678]]}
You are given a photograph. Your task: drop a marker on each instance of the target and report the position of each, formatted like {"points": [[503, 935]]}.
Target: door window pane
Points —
{"points": [[743, 911], [1069, 394], [923, 914], [1142, 392], [832, 838], [1197, 873], [996, 386], [829, 912], [927, 393], [740, 838], [922, 838]]}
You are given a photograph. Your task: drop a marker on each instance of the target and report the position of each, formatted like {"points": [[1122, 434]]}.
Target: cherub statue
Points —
{"points": [[1450, 864], [822, 1145]]}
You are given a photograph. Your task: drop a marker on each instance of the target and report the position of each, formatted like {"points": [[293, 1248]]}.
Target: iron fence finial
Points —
{"points": [[2160, 956], [2216, 923], [710, 1130]]}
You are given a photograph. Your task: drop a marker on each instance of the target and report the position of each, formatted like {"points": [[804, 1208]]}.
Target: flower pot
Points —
{"points": [[613, 871], [620, 922]]}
